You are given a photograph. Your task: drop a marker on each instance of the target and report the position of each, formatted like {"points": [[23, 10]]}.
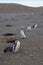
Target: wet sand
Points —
{"points": [[31, 50]]}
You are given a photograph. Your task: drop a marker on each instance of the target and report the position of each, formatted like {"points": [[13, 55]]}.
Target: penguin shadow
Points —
{"points": [[8, 34], [8, 25]]}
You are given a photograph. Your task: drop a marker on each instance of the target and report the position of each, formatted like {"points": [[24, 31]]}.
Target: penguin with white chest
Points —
{"points": [[22, 33], [29, 28], [14, 48]]}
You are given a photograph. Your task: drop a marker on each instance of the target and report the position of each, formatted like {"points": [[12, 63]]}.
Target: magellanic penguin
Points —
{"points": [[29, 28], [22, 33], [14, 48]]}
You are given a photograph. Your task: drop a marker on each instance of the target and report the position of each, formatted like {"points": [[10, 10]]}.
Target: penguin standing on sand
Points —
{"points": [[34, 26], [22, 33], [14, 48], [29, 28]]}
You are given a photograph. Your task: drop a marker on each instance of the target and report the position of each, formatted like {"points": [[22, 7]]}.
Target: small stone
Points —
{"points": [[31, 55], [23, 60], [4, 61], [25, 51], [42, 62]]}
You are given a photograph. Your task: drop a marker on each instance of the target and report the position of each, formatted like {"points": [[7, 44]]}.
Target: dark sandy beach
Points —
{"points": [[12, 17]]}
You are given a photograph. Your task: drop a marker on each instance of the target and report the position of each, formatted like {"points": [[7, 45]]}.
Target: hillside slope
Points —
{"points": [[17, 8]]}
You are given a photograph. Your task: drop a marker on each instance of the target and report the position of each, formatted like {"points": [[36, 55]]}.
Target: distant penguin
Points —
{"points": [[14, 48], [22, 33], [35, 26], [28, 28]]}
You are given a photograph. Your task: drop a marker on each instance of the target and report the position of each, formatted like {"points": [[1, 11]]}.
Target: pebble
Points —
{"points": [[42, 62], [26, 52], [4, 61], [31, 55]]}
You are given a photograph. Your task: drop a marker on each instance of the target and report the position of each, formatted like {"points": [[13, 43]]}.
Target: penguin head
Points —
{"points": [[33, 26], [22, 28], [15, 39]]}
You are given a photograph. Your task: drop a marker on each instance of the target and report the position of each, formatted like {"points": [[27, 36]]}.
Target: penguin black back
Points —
{"points": [[10, 48], [7, 49]]}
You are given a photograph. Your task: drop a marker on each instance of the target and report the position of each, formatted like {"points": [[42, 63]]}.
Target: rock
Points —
{"points": [[4, 61], [26, 52], [42, 62]]}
